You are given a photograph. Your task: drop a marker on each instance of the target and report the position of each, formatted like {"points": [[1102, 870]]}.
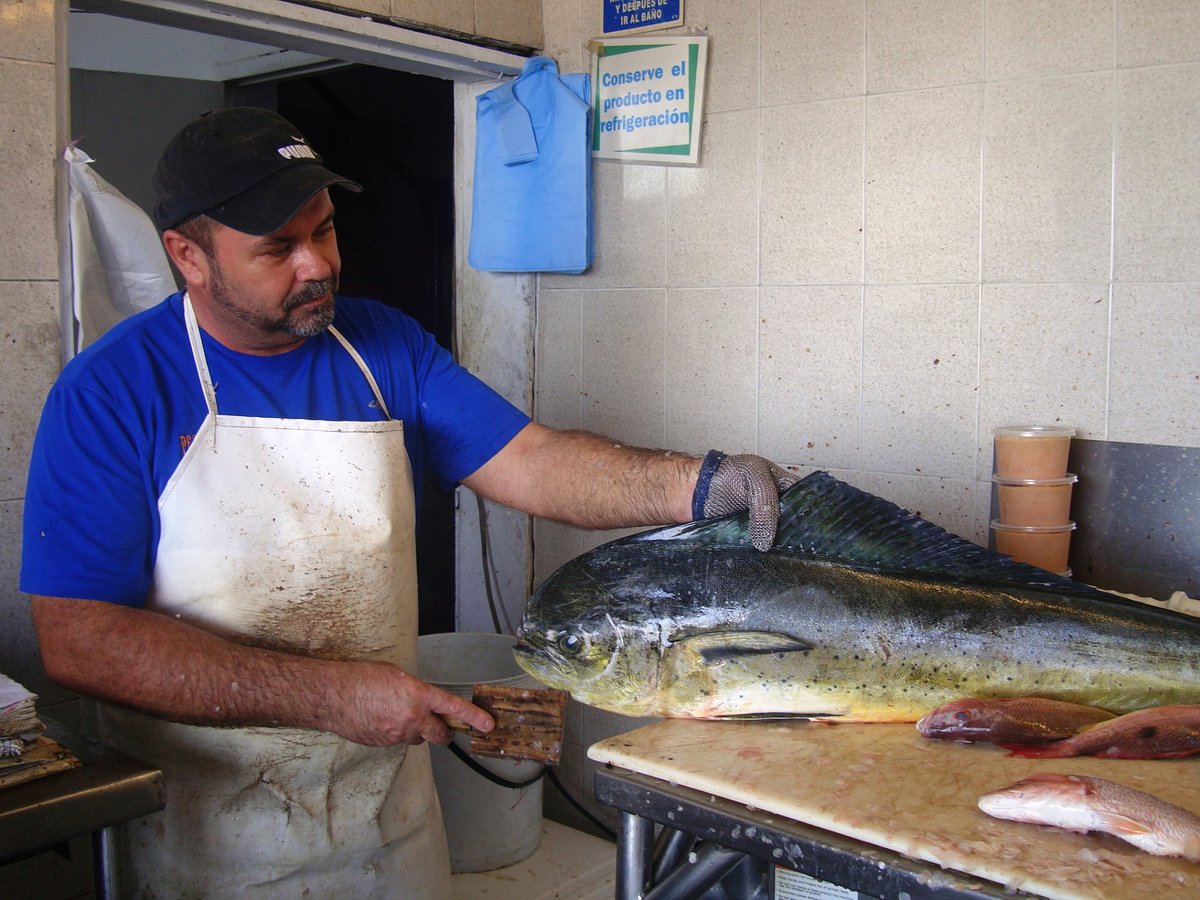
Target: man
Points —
{"points": [[219, 534]]}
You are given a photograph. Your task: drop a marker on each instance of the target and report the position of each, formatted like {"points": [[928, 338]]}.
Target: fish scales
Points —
{"points": [[863, 611]]}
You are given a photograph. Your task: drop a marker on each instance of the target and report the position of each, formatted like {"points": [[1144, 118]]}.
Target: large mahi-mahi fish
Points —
{"points": [[862, 611]]}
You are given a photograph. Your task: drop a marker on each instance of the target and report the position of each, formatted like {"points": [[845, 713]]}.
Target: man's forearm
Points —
{"points": [[174, 670], [588, 480], [167, 668]]}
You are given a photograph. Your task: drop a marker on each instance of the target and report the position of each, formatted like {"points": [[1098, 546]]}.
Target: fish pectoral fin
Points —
{"points": [[1115, 823], [717, 645]]}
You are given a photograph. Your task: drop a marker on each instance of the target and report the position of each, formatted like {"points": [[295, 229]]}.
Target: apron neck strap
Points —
{"points": [[206, 382], [193, 331]]}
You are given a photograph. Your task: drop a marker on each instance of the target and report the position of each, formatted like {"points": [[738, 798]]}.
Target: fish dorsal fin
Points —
{"points": [[714, 646], [821, 517]]}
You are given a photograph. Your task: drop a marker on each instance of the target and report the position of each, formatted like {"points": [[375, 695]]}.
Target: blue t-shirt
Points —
{"points": [[120, 417]]}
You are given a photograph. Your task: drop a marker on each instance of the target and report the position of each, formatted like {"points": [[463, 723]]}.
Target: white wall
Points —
{"points": [[913, 220]]}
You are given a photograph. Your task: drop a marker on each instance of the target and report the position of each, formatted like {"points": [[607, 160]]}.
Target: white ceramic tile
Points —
{"points": [[1048, 37], [27, 146], [1047, 184], [577, 773], [1043, 360], [1156, 364], [712, 208], [946, 502], [564, 37], [558, 369], [810, 363], [1158, 192], [919, 369], [922, 194], [557, 544], [812, 193], [598, 724], [27, 31], [29, 333], [18, 646], [732, 30], [623, 344], [629, 228], [711, 370], [1152, 32], [567, 863], [923, 43], [811, 51], [371, 7], [514, 21]]}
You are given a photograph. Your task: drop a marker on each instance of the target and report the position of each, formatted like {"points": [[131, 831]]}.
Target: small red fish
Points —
{"points": [[1161, 732], [1083, 803], [1013, 720]]}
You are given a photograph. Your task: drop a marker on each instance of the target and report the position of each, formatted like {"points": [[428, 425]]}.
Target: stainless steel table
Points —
{"points": [[107, 789], [706, 837]]}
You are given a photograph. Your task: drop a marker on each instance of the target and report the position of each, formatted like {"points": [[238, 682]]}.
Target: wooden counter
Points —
{"points": [[886, 786]]}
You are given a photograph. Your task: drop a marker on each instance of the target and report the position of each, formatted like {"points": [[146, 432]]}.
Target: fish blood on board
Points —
{"points": [[1082, 803], [862, 611]]}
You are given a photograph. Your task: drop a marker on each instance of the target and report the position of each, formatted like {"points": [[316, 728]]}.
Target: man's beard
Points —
{"points": [[296, 322], [313, 321]]}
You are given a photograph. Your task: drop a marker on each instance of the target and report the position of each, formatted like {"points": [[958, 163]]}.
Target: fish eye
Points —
{"points": [[571, 643]]}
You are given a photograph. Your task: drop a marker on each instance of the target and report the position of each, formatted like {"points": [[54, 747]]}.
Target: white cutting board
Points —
{"points": [[888, 786]]}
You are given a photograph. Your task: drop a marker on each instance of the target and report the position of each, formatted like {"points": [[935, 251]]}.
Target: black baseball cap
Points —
{"points": [[247, 168]]}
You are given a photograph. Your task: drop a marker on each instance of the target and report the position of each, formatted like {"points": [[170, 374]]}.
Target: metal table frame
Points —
{"points": [[108, 788], [731, 831]]}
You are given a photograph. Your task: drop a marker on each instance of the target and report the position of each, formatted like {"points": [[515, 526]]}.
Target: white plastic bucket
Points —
{"points": [[488, 826]]}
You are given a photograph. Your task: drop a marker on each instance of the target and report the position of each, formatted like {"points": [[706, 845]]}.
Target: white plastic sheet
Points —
{"points": [[118, 265]]}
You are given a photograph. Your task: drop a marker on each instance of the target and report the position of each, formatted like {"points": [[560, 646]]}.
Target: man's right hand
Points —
{"points": [[384, 705]]}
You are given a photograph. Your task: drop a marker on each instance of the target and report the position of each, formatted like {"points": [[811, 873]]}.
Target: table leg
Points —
{"points": [[104, 861], [633, 850]]}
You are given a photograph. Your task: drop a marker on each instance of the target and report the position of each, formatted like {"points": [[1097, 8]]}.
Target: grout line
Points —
{"points": [[979, 337], [1112, 230]]}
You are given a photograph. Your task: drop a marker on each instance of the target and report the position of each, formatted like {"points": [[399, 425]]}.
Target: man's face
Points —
{"points": [[268, 293]]}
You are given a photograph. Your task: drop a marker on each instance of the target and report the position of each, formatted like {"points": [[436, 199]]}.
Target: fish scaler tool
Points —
{"points": [[529, 723]]}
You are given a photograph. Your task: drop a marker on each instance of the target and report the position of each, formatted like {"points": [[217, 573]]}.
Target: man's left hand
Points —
{"points": [[729, 484]]}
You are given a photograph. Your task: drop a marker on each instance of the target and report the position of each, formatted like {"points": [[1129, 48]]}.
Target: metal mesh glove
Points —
{"points": [[729, 484]]}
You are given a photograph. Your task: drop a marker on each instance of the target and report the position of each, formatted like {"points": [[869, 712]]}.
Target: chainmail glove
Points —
{"points": [[730, 484]]}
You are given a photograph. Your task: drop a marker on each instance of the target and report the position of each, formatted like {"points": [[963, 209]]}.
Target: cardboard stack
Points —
{"points": [[25, 753]]}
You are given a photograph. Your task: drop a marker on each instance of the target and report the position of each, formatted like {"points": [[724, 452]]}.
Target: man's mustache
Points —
{"points": [[313, 290]]}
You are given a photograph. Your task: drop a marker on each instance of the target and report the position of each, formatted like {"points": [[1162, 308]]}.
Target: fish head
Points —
{"points": [[962, 720], [1046, 798], [588, 632]]}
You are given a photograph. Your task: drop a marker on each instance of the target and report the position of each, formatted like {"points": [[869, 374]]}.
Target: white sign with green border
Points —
{"points": [[649, 99]]}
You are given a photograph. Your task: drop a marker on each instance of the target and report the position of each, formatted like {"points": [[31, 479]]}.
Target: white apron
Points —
{"points": [[294, 535]]}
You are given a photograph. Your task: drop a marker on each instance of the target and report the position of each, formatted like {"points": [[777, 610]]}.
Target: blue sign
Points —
{"points": [[631, 15]]}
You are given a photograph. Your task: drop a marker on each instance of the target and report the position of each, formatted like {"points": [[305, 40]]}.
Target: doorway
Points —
{"points": [[391, 131]]}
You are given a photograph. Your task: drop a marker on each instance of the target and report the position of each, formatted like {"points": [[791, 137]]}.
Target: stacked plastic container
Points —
{"points": [[1033, 489]]}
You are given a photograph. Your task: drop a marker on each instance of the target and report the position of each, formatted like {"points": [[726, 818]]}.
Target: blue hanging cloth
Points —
{"points": [[532, 209]]}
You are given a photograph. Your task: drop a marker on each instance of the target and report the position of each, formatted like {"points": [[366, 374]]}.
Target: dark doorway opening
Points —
{"points": [[393, 133]]}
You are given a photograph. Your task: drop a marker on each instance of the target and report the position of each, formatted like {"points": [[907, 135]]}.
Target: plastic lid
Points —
{"points": [[1034, 431], [997, 525], [1021, 482]]}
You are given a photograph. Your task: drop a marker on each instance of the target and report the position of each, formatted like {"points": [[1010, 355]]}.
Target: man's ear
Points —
{"points": [[188, 257]]}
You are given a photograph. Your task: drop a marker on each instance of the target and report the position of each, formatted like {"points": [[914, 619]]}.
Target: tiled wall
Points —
{"points": [[913, 220], [29, 329]]}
